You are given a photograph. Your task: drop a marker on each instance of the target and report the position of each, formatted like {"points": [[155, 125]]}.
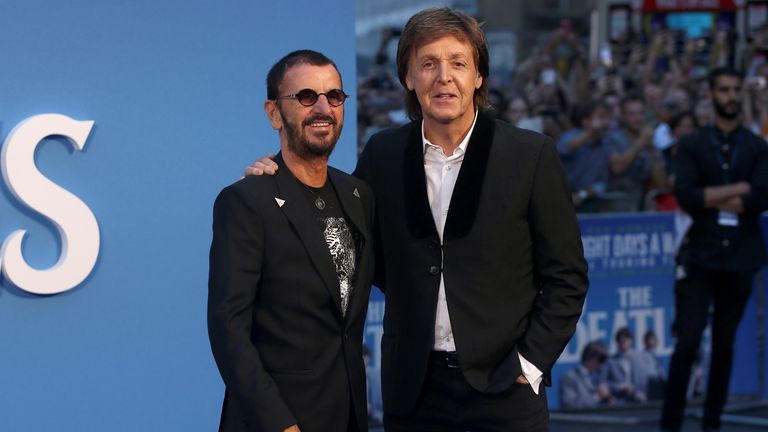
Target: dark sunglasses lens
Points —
{"points": [[336, 97], [307, 97]]}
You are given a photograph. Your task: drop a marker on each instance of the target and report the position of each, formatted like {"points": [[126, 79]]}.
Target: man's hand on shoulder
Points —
{"points": [[521, 379], [263, 166]]}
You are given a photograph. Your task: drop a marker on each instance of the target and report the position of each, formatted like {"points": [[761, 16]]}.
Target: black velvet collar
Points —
{"points": [[466, 194], [420, 221]]}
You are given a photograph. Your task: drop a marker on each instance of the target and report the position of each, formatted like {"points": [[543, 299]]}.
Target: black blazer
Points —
{"points": [[515, 274], [274, 309]]}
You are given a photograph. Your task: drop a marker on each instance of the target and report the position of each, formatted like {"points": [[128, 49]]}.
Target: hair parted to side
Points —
{"points": [[430, 25], [595, 349], [277, 71]]}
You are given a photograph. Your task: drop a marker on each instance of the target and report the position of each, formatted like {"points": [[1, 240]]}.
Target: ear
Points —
{"points": [[478, 81], [408, 81], [273, 114]]}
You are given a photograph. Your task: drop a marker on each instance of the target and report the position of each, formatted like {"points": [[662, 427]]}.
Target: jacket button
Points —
{"points": [[346, 336], [726, 243], [434, 244], [434, 270]]}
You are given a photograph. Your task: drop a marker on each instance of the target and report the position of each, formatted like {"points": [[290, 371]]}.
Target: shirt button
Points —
{"points": [[448, 168], [434, 270], [726, 243]]}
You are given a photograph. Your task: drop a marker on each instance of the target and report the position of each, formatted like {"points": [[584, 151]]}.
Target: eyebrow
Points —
{"points": [[452, 56]]}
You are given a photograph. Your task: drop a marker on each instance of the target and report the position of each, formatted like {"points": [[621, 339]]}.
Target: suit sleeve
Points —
{"points": [[609, 376], [756, 201], [689, 193], [235, 272], [364, 171], [574, 395], [559, 266], [569, 395]]}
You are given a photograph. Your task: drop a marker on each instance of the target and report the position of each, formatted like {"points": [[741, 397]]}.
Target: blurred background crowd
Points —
{"points": [[614, 84]]}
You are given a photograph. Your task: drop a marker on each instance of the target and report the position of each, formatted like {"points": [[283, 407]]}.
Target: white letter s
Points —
{"points": [[74, 220]]}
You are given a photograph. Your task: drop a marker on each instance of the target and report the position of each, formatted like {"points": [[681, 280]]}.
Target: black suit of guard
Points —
{"points": [[717, 262]]}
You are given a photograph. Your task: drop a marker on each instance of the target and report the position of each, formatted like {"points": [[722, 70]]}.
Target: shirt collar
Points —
{"points": [[462, 146]]}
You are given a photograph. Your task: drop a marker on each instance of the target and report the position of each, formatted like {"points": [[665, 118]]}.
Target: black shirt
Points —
{"points": [[340, 236], [708, 157]]}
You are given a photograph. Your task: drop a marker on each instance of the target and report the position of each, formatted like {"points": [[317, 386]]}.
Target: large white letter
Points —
{"points": [[76, 223]]}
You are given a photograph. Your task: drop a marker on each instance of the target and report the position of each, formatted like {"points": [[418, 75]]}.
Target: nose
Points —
{"points": [[443, 72], [321, 105]]}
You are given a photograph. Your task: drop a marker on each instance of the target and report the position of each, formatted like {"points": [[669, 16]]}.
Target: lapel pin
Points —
{"points": [[356, 193], [280, 202]]}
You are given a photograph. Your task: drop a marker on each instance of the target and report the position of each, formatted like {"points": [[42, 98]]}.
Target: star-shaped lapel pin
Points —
{"points": [[280, 202], [356, 193]]}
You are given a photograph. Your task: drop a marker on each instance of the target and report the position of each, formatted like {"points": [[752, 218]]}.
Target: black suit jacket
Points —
{"points": [[512, 259], [274, 310]]}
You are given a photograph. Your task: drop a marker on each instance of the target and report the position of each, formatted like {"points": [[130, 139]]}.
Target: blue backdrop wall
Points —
{"points": [[175, 89]]}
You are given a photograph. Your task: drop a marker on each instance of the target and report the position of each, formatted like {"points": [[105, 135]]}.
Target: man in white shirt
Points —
{"points": [[479, 251]]}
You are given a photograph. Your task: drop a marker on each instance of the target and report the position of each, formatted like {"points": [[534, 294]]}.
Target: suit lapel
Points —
{"points": [[353, 208], [420, 221], [466, 194], [302, 218], [350, 203]]}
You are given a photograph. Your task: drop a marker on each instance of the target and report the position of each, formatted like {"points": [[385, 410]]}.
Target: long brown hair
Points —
{"points": [[430, 25]]}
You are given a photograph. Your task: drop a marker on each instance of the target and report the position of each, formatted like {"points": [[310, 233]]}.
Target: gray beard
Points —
{"points": [[302, 147]]}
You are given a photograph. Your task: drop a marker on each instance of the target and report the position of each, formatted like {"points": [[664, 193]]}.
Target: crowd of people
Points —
{"points": [[616, 119]]}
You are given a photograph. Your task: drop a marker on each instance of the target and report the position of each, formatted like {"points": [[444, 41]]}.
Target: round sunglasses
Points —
{"points": [[308, 97]]}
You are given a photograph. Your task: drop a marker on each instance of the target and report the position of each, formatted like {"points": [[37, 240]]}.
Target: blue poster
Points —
{"points": [[374, 328], [631, 272], [631, 296]]}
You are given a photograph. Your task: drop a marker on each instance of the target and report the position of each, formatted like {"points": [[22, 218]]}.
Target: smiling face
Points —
{"points": [[444, 77], [309, 132]]}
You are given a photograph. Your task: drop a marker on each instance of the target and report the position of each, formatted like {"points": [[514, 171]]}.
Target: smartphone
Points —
{"points": [[606, 57], [548, 76], [757, 82]]}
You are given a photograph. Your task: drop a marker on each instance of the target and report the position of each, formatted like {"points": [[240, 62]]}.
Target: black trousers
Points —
{"points": [[448, 403], [728, 292]]}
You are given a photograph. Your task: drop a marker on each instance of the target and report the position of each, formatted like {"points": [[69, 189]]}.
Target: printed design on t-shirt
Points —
{"points": [[341, 245]]}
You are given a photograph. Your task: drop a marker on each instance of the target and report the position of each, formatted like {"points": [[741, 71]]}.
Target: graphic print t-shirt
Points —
{"points": [[340, 237]]}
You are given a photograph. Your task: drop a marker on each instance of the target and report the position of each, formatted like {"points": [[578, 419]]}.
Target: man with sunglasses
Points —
{"points": [[291, 265], [478, 247]]}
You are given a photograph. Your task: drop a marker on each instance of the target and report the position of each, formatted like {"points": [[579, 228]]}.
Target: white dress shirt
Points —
{"points": [[441, 173]]}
